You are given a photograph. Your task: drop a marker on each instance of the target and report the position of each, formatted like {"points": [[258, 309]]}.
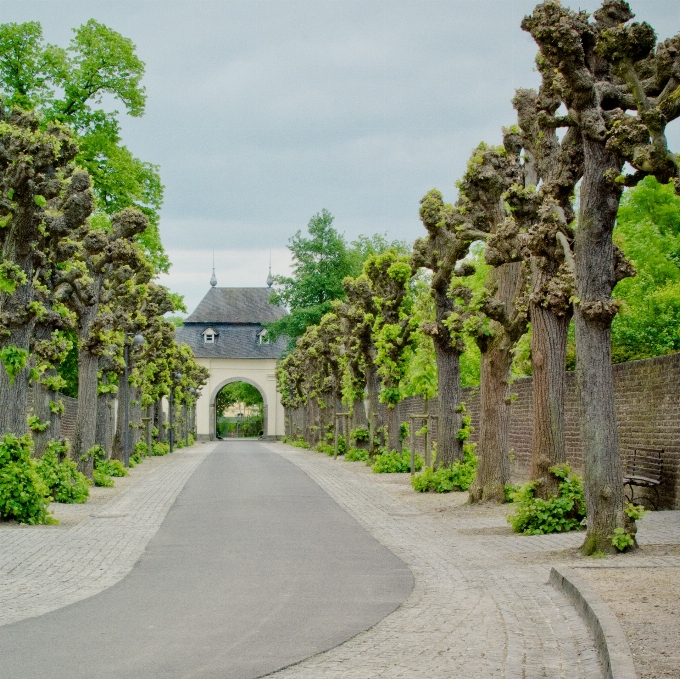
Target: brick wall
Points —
{"points": [[647, 395], [68, 419]]}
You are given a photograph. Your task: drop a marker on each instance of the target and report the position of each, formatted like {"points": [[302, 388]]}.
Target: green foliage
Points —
{"points": [[360, 434], [241, 394], [536, 516], [111, 468], [299, 443], [325, 448], [68, 85], [57, 407], [457, 477], [34, 423], [102, 480], [63, 480], [635, 512], [403, 431], [142, 449], [394, 462], [648, 231], [356, 455], [135, 459], [158, 448], [23, 494], [67, 379], [14, 360], [622, 540]]}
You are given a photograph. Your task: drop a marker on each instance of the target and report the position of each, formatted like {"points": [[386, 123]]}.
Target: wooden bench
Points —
{"points": [[644, 469]]}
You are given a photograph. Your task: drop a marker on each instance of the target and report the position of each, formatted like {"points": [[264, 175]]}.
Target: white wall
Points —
{"points": [[258, 371]]}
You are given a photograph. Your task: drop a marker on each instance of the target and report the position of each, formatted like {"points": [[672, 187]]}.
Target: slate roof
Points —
{"points": [[232, 341], [236, 305], [236, 315]]}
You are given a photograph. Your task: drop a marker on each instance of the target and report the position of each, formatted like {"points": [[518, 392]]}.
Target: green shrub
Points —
{"points": [[111, 468], [622, 540], [457, 477], [322, 447], [135, 459], [23, 494], [179, 443], [63, 480], [360, 435], [192, 439], [403, 431], [356, 455], [158, 448], [510, 491], [102, 480], [394, 462], [142, 449], [300, 443], [535, 516]]}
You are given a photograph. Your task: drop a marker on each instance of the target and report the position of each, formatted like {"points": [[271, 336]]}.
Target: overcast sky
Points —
{"points": [[262, 112]]}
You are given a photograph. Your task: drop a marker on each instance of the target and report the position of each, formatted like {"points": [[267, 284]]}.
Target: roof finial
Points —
{"points": [[213, 279], [270, 280]]}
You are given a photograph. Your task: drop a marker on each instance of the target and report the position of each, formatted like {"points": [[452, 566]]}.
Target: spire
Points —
{"points": [[270, 280], [213, 279]]}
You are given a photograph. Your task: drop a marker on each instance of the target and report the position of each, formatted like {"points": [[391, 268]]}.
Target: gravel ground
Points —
{"points": [[645, 601]]}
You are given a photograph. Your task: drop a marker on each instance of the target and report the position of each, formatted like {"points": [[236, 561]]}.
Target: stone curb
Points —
{"points": [[609, 637]]}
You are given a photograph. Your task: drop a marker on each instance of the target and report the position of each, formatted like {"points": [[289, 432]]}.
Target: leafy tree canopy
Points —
{"points": [[69, 85], [238, 393], [648, 231]]}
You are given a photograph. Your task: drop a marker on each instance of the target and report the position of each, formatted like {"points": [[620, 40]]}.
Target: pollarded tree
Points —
{"points": [[533, 232], [491, 172], [606, 68], [358, 315], [389, 275], [34, 170], [107, 257], [450, 233]]}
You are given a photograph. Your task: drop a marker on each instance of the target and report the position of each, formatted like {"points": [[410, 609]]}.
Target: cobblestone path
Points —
{"points": [[474, 612], [43, 569]]}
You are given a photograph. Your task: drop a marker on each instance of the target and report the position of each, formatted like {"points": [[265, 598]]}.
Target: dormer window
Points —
{"points": [[262, 336], [209, 336]]}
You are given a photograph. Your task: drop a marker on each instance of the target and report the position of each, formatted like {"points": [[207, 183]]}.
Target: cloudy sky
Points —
{"points": [[262, 112]]}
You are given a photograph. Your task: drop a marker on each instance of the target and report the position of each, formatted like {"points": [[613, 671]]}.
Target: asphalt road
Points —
{"points": [[254, 568]]}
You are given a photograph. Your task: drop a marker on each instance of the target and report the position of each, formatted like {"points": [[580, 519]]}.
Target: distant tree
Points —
{"points": [[242, 394], [320, 263]]}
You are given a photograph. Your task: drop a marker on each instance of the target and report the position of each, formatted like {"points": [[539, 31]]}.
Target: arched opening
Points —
{"points": [[240, 410]]}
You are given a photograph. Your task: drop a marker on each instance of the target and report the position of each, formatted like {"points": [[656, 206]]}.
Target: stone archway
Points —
{"points": [[213, 399]]}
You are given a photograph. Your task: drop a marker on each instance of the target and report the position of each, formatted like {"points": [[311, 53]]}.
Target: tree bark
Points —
{"points": [[104, 433], [160, 420], [148, 428], [86, 416], [118, 451], [42, 396], [14, 397], [493, 471], [593, 314], [449, 448], [548, 362], [374, 411]]}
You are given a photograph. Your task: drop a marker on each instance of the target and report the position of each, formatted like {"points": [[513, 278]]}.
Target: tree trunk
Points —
{"points": [[358, 420], [104, 433], [14, 396], [42, 397], [160, 421], [148, 429], [548, 364], [118, 452], [135, 418], [449, 448], [86, 415], [593, 314], [393, 429], [374, 412], [493, 471]]}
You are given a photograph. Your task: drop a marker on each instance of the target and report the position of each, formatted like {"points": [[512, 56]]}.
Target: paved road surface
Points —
{"points": [[254, 568]]}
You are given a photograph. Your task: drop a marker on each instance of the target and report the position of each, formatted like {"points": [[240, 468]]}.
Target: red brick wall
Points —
{"points": [[647, 395]]}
